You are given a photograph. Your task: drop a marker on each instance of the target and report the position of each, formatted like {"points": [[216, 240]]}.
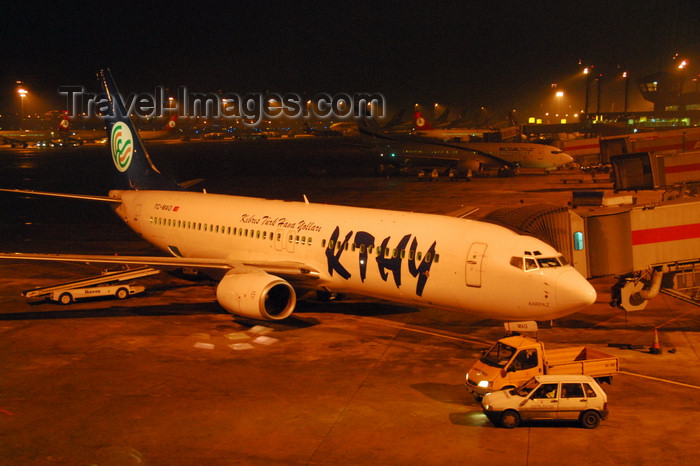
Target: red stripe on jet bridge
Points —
{"points": [[691, 167], [583, 146], [659, 235]]}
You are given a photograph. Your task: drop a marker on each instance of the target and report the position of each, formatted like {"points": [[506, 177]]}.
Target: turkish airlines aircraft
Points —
{"points": [[266, 250], [80, 135], [522, 154]]}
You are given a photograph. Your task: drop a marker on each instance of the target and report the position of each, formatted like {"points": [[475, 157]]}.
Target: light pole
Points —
{"points": [[587, 72], [559, 95], [597, 112], [627, 87], [22, 94]]}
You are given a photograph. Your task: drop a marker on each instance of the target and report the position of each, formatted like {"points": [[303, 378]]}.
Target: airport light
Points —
{"points": [[625, 76], [598, 79], [559, 95], [587, 72]]}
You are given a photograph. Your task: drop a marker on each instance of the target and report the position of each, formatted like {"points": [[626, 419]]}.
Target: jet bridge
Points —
{"points": [[102, 279]]}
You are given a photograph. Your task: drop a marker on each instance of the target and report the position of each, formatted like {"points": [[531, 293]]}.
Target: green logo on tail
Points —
{"points": [[122, 142]]}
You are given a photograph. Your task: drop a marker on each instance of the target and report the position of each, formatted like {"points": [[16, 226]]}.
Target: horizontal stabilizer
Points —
{"points": [[85, 197]]}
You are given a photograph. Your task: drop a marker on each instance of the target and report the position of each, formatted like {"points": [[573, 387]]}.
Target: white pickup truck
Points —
{"points": [[118, 291], [516, 359]]}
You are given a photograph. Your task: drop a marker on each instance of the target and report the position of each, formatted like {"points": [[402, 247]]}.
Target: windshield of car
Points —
{"points": [[498, 355], [525, 388]]}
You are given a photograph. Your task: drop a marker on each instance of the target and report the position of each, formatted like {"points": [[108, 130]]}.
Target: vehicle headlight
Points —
{"points": [[488, 407], [484, 384]]}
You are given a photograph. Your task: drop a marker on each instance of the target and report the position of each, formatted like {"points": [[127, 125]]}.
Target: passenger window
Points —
{"points": [[546, 390], [590, 393], [571, 390]]}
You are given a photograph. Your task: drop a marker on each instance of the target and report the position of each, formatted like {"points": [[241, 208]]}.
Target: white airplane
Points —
{"points": [[26, 137], [267, 250], [522, 154]]}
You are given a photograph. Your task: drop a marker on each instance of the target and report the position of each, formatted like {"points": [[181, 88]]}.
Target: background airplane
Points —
{"points": [[91, 135], [521, 154]]}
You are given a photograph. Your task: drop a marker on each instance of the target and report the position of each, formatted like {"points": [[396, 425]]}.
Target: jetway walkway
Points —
{"points": [[103, 279]]}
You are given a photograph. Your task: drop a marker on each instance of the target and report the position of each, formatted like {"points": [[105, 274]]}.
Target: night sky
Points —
{"points": [[464, 55]]}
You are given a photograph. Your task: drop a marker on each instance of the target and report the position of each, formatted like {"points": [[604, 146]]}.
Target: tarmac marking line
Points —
{"points": [[6, 412], [661, 380], [435, 334]]}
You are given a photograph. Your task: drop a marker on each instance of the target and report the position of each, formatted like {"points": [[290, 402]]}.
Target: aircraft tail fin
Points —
{"points": [[133, 164], [421, 123], [171, 124], [64, 124]]}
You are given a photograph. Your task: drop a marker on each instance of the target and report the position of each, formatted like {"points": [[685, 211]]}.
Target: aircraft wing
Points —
{"points": [[288, 268]]}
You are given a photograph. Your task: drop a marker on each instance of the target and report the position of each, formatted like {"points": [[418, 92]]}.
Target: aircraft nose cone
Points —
{"points": [[566, 158], [573, 292]]}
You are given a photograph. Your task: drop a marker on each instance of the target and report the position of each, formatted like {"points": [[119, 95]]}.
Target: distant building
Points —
{"points": [[666, 91]]}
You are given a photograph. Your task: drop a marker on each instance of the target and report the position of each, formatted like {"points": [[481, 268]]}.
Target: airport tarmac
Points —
{"points": [[169, 378]]}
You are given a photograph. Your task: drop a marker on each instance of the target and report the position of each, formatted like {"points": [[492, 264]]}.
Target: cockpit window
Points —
{"points": [[548, 262], [532, 263]]}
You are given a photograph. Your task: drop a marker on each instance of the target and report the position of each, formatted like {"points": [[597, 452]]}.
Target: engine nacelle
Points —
{"points": [[257, 295]]}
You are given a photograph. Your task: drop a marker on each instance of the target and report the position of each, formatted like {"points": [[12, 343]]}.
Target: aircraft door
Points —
{"points": [[290, 240], [137, 212], [279, 239], [473, 266]]}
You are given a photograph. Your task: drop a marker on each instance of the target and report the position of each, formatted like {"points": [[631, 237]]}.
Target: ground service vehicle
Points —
{"points": [[563, 397], [118, 291], [515, 359]]}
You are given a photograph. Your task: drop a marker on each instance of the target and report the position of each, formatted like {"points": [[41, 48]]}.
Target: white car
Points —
{"points": [[565, 397]]}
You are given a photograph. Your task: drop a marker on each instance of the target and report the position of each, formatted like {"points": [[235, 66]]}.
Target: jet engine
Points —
{"points": [[257, 295]]}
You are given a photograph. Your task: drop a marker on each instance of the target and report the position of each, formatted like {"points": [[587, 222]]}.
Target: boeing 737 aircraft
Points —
{"points": [[267, 250], [522, 154]]}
